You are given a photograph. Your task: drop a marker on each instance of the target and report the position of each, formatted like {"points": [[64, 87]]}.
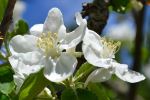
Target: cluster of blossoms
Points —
{"points": [[50, 47]]}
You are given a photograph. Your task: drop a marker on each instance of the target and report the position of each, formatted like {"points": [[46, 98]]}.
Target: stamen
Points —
{"points": [[110, 45], [47, 41]]}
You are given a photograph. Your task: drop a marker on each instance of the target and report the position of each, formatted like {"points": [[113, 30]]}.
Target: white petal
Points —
{"points": [[23, 44], [99, 75], [18, 79], [122, 71], [36, 30], [61, 33], [53, 21], [64, 68], [75, 37], [49, 67], [93, 39], [79, 18], [26, 63], [92, 55]]}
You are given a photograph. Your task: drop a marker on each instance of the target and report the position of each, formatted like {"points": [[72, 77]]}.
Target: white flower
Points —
{"points": [[100, 52], [47, 46]]}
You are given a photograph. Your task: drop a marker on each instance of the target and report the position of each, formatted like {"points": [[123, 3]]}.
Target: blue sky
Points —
{"points": [[36, 10]]}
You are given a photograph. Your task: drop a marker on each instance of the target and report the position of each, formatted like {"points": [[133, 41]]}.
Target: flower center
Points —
{"points": [[110, 47], [47, 42]]}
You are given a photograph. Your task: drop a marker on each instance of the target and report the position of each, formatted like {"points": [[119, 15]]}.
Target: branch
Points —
{"points": [[97, 13], [139, 18], [7, 19]]}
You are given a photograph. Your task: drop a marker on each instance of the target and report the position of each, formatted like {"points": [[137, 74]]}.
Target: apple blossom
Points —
{"points": [[48, 46], [100, 52]]}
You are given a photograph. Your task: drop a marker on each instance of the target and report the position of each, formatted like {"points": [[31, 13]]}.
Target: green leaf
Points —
{"points": [[21, 27], [3, 4], [6, 74], [79, 94], [83, 71], [98, 90], [7, 88], [32, 86], [69, 94], [3, 97], [120, 6], [6, 80]]}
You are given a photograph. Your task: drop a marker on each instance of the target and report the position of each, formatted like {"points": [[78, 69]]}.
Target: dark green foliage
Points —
{"points": [[78, 94], [99, 90], [6, 80], [21, 27], [120, 5]]}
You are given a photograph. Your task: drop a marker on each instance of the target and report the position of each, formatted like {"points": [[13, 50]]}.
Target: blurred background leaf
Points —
{"points": [[120, 5], [78, 94], [99, 90]]}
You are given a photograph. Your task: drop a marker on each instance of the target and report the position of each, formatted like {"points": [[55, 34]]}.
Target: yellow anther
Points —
{"points": [[110, 46], [46, 41]]}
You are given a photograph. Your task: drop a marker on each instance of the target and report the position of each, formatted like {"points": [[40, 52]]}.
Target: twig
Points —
{"points": [[6, 20], [139, 18], [97, 13]]}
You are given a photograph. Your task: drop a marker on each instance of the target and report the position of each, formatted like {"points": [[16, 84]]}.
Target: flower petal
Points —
{"points": [[61, 33], [49, 67], [92, 48], [36, 29], [79, 18], [99, 75], [18, 79], [64, 68], [23, 44], [122, 71], [53, 21], [75, 37], [26, 63], [93, 39], [92, 55]]}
